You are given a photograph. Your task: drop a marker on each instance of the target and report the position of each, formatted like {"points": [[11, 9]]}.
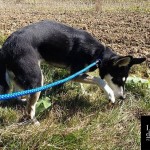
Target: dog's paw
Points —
{"points": [[109, 93], [111, 96], [25, 120]]}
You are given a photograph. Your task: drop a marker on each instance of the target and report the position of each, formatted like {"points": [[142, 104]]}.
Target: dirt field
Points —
{"points": [[126, 32]]}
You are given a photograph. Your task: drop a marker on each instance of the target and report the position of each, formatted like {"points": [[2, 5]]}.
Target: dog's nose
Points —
{"points": [[122, 97]]}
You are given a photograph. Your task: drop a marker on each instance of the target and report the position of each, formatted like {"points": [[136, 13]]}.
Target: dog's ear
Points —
{"points": [[122, 61], [137, 61]]}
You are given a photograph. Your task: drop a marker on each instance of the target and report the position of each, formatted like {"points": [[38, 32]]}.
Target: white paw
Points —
{"points": [[110, 94], [111, 97]]}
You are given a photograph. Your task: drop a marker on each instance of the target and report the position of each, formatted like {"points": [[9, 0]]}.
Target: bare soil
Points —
{"points": [[128, 33]]}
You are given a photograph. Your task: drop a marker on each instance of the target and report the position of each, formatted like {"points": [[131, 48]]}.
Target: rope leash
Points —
{"points": [[42, 88]]}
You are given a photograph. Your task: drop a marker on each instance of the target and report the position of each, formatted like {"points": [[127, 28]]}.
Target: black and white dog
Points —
{"points": [[61, 46]]}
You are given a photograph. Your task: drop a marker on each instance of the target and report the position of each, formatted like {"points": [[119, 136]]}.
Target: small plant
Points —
{"points": [[144, 83], [42, 105]]}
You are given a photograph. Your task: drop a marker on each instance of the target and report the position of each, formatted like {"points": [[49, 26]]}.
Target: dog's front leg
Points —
{"points": [[101, 83], [109, 92]]}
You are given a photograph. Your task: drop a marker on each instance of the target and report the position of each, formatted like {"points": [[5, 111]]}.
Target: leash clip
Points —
{"points": [[98, 63]]}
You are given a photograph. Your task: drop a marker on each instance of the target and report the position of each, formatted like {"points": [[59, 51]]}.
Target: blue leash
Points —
{"points": [[42, 88]]}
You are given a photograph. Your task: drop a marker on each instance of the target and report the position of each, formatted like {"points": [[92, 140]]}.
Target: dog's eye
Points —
{"points": [[123, 79]]}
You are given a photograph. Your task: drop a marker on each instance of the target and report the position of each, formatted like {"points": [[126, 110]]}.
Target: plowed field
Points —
{"points": [[127, 32]]}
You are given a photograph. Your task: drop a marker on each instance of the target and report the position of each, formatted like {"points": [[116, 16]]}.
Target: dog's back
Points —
{"points": [[51, 41]]}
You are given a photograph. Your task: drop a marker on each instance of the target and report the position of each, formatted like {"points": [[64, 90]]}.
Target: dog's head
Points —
{"points": [[115, 72]]}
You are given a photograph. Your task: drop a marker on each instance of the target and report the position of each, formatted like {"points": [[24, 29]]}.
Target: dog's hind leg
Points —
{"points": [[28, 75], [31, 104]]}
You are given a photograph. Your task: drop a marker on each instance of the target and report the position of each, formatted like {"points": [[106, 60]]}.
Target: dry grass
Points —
{"points": [[79, 5]]}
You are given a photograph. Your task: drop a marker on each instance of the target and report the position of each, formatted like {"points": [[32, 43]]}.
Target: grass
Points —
{"points": [[2, 39], [73, 120], [76, 121]]}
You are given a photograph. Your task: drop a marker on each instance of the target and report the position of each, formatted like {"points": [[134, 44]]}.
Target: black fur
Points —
{"points": [[55, 43]]}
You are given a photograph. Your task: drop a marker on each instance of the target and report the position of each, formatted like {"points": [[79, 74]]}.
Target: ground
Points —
{"points": [[125, 31], [77, 121]]}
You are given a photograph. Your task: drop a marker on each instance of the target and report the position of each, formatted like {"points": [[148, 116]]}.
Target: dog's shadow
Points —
{"points": [[13, 103]]}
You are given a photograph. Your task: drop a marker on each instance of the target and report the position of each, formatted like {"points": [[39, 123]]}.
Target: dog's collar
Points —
{"points": [[98, 62]]}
